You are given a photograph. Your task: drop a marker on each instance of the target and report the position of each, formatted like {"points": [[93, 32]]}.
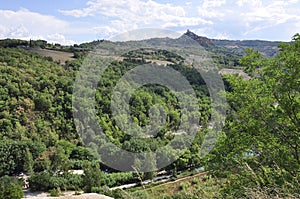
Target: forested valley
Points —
{"points": [[257, 154]]}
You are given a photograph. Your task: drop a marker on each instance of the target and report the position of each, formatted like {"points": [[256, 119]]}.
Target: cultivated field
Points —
{"points": [[60, 56]]}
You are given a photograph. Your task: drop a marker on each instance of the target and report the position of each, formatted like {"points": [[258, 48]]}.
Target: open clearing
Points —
{"points": [[60, 56]]}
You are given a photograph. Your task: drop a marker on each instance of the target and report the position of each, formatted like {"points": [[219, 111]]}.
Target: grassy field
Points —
{"points": [[60, 56], [200, 185]]}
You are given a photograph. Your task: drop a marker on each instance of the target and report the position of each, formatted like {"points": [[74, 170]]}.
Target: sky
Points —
{"points": [[76, 21]]}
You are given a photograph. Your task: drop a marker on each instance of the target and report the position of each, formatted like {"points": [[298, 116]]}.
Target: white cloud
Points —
{"points": [[222, 36], [265, 16], [18, 32], [133, 14], [59, 38], [213, 3], [253, 3], [245, 18], [24, 24], [240, 19], [211, 9]]}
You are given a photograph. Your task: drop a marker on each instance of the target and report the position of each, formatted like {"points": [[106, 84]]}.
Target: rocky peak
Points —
{"points": [[203, 41]]}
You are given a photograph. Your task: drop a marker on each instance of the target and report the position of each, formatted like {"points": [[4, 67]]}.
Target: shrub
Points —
{"points": [[74, 182], [40, 182], [54, 192], [117, 179], [117, 193], [46, 181], [10, 188]]}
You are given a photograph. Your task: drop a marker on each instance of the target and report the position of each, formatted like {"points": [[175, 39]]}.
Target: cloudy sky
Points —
{"points": [[76, 21]]}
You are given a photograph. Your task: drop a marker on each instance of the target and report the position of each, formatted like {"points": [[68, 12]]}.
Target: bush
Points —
{"points": [[74, 182], [47, 181], [10, 188], [40, 182], [54, 192], [106, 191], [117, 179], [96, 190]]}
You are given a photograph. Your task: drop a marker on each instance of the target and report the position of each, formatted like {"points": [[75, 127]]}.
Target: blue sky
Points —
{"points": [[76, 21]]}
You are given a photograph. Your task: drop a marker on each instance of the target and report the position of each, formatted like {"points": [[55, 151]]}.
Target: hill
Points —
{"points": [[225, 52], [40, 135], [267, 48]]}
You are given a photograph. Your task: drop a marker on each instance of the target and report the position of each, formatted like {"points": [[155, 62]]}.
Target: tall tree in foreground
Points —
{"points": [[262, 145], [92, 176]]}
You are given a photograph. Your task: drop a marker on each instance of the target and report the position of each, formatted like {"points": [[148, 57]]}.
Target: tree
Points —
{"points": [[150, 166], [262, 143], [28, 162], [92, 176], [252, 61]]}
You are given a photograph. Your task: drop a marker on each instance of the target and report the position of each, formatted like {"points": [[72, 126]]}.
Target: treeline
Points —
{"points": [[12, 43], [78, 50]]}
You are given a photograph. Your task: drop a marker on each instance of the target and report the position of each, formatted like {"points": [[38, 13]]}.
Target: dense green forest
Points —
{"points": [[257, 154]]}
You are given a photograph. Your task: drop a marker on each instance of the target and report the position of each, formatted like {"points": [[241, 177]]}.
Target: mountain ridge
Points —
{"points": [[267, 48]]}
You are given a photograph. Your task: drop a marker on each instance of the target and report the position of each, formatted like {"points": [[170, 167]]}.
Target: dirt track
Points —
{"points": [[67, 195]]}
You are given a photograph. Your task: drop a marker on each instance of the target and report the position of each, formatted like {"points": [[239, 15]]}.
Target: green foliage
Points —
{"points": [[117, 193], [261, 145], [184, 186], [54, 192], [261, 148], [74, 182], [46, 181], [251, 61], [35, 97], [10, 43], [28, 162], [10, 188], [118, 178], [17, 156], [92, 176], [146, 98]]}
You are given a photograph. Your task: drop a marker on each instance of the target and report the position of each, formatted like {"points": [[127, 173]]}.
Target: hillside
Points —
{"points": [[59, 56], [46, 130], [267, 48], [225, 52]]}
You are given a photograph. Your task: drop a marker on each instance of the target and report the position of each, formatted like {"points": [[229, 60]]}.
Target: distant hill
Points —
{"points": [[225, 53], [267, 48]]}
